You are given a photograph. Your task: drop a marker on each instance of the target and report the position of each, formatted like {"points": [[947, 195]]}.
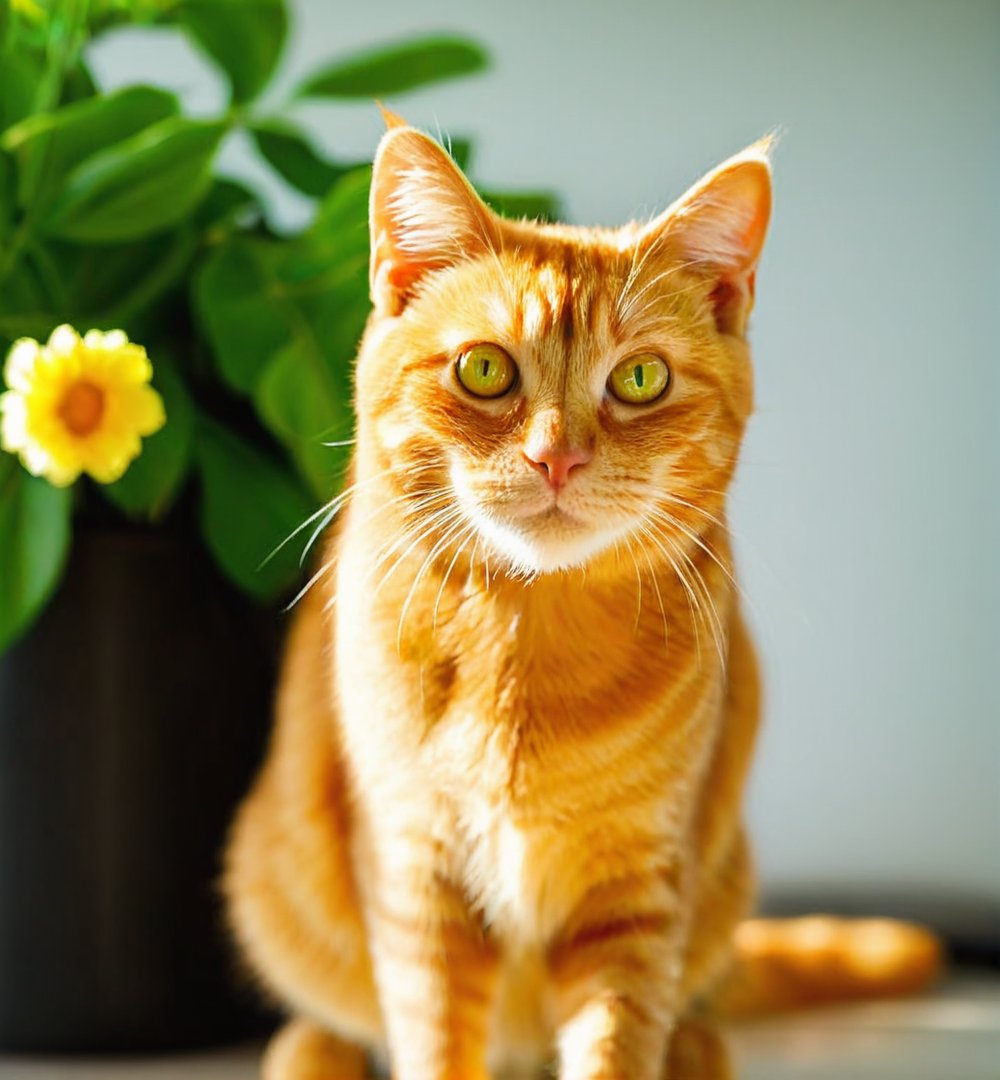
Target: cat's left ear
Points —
{"points": [[423, 214], [718, 227]]}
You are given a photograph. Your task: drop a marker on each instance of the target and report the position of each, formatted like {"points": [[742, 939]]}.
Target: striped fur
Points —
{"points": [[500, 817]]}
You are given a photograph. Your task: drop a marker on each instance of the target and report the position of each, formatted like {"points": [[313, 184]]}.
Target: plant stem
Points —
{"points": [[64, 46], [13, 252]]}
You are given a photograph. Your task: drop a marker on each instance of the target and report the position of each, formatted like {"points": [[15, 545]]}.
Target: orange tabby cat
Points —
{"points": [[500, 818]]}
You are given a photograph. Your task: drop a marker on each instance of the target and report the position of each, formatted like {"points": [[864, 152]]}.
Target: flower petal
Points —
{"points": [[147, 411], [13, 421], [107, 472], [109, 342], [107, 459], [61, 475], [21, 363], [39, 463], [131, 364], [63, 341]]}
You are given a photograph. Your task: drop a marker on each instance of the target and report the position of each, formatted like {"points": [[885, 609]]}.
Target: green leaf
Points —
{"points": [[343, 214], [305, 393], [461, 151], [543, 205], [153, 480], [35, 324], [306, 402], [240, 305], [139, 186], [396, 68], [336, 245], [102, 15], [78, 84], [34, 26], [25, 306], [290, 154], [250, 505], [8, 195], [111, 285], [48, 146], [244, 37], [167, 265], [21, 73], [34, 540], [229, 204]]}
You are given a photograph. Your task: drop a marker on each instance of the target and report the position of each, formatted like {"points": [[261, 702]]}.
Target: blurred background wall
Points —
{"points": [[868, 507]]}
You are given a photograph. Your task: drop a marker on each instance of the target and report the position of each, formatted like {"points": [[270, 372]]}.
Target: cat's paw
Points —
{"points": [[302, 1050], [697, 1052]]}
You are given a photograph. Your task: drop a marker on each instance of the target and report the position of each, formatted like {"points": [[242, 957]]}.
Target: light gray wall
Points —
{"points": [[867, 511]]}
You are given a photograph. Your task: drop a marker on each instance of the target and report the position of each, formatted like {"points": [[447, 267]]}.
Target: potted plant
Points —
{"points": [[176, 404]]}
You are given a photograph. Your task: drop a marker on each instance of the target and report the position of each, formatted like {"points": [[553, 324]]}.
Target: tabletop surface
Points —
{"points": [[953, 1034]]}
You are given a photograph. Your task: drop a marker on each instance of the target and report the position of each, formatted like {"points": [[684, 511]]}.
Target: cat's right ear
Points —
{"points": [[424, 216], [718, 228]]}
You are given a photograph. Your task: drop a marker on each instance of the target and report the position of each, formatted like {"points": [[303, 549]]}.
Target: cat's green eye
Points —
{"points": [[486, 371], [640, 379]]}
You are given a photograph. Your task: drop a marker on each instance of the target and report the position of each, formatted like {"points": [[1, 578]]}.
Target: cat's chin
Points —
{"points": [[544, 537], [545, 544]]}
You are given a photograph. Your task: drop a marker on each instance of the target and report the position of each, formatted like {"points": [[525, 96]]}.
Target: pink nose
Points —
{"points": [[555, 464]]}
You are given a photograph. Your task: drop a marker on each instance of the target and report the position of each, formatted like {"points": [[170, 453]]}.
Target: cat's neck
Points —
{"points": [[634, 586], [636, 591]]}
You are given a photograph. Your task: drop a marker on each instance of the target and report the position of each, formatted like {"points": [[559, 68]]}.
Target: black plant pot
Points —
{"points": [[131, 718]]}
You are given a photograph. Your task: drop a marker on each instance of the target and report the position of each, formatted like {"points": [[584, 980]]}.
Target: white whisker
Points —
{"points": [[431, 555], [424, 529], [469, 532], [692, 601], [705, 600], [659, 599]]}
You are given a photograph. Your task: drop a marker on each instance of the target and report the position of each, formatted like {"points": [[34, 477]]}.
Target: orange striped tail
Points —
{"points": [[786, 964]]}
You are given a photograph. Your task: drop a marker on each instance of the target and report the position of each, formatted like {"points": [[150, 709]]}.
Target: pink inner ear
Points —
{"points": [[424, 215], [397, 274], [732, 299], [721, 223], [735, 258]]}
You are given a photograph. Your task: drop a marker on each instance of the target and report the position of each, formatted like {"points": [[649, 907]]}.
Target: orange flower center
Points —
{"points": [[82, 407]]}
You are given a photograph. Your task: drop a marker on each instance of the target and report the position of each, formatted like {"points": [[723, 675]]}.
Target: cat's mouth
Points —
{"points": [[554, 514], [536, 532]]}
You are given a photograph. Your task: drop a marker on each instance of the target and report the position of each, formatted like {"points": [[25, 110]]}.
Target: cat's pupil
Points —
{"points": [[486, 369], [638, 376]]}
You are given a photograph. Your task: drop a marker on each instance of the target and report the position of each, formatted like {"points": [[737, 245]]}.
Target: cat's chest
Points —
{"points": [[500, 828], [537, 768], [530, 735], [486, 716]]}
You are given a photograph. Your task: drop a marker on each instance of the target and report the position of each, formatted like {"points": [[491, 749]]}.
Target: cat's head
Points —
{"points": [[557, 392]]}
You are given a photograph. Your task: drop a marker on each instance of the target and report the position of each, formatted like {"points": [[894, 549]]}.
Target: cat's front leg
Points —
{"points": [[615, 972], [435, 974]]}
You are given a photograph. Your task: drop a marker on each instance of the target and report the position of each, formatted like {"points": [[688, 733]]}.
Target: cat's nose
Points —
{"points": [[555, 463]]}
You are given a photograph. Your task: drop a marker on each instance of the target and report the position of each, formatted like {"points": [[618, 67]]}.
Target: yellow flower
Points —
{"points": [[78, 404]]}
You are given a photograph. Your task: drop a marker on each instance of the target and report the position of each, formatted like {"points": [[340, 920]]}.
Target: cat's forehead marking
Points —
{"points": [[534, 315], [555, 296], [498, 311], [551, 298], [550, 282]]}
